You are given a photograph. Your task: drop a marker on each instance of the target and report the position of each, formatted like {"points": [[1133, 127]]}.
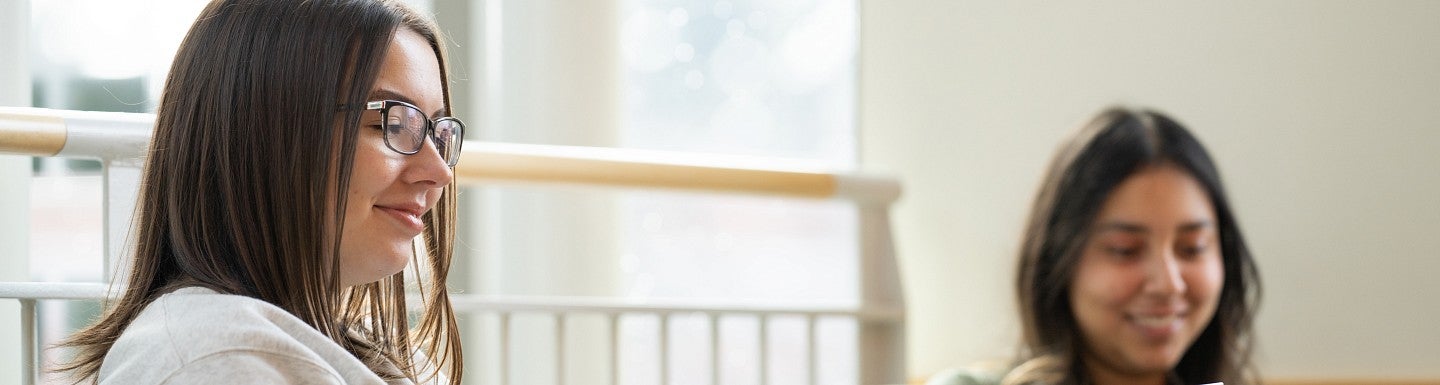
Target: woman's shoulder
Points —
{"points": [[195, 330], [968, 376], [200, 314]]}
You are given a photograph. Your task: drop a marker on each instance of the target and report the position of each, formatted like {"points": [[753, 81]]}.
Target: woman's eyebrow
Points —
{"points": [[1194, 226], [1124, 227], [1136, 228]]}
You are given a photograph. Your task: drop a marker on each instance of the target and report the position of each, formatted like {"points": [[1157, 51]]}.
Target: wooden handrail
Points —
{"points": [[31, 134], [123, 136]]}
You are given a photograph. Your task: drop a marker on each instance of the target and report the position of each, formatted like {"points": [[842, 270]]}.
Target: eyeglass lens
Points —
{"points": [[405, 131]]}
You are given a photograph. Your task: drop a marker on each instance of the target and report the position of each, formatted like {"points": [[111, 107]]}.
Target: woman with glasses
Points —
{"points": [[1132, 268], [302, 157]]}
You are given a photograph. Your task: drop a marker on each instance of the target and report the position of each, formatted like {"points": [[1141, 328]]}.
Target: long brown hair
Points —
{"points": [[243, 187], [1115, 144]]}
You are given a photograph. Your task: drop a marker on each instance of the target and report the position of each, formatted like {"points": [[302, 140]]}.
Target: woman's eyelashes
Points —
{"points": [[394, 128], [390, 128], [1123, 249], [1131, 251], [1189, 251], [1194, 245]]}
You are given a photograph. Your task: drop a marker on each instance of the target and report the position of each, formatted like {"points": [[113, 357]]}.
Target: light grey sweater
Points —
{"points": [[198, 336]]}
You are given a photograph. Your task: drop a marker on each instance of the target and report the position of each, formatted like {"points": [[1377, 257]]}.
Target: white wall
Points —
{"points": [[1324, 117]]}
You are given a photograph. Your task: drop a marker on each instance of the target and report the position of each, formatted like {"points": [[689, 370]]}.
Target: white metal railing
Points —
{"points": [[559, 308], [28, 293], [118, 140]]}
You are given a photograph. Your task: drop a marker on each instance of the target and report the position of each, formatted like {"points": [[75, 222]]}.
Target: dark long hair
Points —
{"points": [[1105, 152], [243, 187]]}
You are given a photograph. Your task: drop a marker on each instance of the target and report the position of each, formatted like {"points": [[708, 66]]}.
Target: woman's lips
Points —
{"points": [[1157, 326], [408, 217]]}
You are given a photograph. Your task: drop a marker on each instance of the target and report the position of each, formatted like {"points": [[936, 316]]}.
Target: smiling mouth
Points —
{"points": [[410, 219], [1156, 321], [1157, 326]]}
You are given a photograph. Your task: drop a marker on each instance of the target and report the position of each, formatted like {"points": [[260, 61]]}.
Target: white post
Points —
{"points": [[14, 183], [882, 343]]}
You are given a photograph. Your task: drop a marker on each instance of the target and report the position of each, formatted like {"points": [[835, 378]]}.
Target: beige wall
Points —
{"points": [[1324, 117]]}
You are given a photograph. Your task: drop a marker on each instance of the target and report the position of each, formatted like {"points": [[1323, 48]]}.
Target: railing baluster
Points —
{"points": [[614, 349], [30, 353], [764, 349], [664, 348], [811, 349], [714, 348], [504, 361], [560, 348], [120, 187]]}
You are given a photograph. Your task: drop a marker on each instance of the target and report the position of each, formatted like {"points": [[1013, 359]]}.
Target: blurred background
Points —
{"points": [[1322, 116]]}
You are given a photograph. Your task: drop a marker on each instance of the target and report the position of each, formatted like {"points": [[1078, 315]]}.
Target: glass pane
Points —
{"points": [[762, 78], [773, 78]]}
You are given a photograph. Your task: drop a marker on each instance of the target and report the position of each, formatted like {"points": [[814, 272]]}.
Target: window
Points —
{"points": [[758, 79]]}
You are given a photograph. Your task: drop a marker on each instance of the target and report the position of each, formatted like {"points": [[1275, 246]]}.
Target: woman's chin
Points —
{"points": [[1156, 362], [358, 269]]}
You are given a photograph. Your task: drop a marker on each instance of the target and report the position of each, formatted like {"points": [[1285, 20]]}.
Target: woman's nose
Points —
{"points": [[1163, 275], [427, 166]]}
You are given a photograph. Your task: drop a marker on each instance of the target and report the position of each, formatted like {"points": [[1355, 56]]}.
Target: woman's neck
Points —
{"points": [[1101, 374]]}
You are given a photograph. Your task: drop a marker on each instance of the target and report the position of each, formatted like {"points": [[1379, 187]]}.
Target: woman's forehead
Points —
{"points": [[410, 73], [1157, 198]]}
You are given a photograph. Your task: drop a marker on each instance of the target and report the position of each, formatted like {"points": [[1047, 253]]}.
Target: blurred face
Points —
{"points": [[1149, 278], [389, 192]]}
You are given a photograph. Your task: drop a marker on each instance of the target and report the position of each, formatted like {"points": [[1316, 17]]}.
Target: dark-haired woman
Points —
{"points": [[302, 157], [1133, 270]]}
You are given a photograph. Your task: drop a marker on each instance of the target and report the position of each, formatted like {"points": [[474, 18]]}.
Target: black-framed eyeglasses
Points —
{"points": [[405, 128]]}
